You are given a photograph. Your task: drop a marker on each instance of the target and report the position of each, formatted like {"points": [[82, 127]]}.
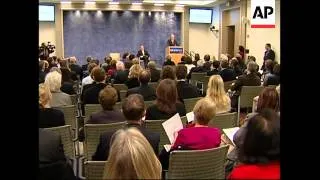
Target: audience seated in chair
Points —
{"points": [[197, 137], [112, 69], [168, 72], [144, 89], [234, 64], [217, 94], [259, 153], [155, 73], [43, 68], [85, 66], [166, 104], [53, 164], [207, 64], [48, 117], [131, 157], [121, 76], [168, 61], [59, 98], [88, 80], [189, 64], [274, 77], [185, 90], [196, 59], [133, 109], [67, 83], [226, 73], [215, 68], [74, 67], [133, 76], [198, 69]]}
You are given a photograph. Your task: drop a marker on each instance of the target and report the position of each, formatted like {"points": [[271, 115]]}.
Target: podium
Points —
{"points": [[176, 52]]}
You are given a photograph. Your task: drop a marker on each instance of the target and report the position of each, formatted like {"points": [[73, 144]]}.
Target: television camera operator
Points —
{"points": [[45, 50]]}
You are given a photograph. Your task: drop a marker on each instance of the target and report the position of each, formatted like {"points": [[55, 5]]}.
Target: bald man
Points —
{"points": [[172, 41], [144, 89]]}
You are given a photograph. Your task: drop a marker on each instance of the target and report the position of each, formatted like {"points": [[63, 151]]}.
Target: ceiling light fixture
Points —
{"points": [[65, 2], [90, 2], [136, 3], [114, 3], [179, 5], [158, 4]]}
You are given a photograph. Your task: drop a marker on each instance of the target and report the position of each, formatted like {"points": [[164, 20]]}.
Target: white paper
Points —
{"points": [[230, 133], [171, 126], [190, 116], [167, 147]]}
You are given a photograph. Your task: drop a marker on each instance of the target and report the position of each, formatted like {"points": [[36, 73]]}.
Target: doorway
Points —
{"points": [[230, 42]]}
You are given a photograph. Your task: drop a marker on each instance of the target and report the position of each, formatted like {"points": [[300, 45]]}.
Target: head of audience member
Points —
{"points": [[261, 143], [120, 66], [89, 59], [267, 46], [269, 64], [217, 93], [206, 57], [252, 67], [125, 56], [234, 63], [45, 96], [134, 71], [197, 57], [42, 65], [181, 71], [239, 57], [135, 61], [204, 111], [107, 59], [90, 67], [182, 59], [73, 60], [50, 61], [241, 49], [98, 74], [167, 96], [66, 75], [105, 67], [53, 81], [127, 65], [113, 64], [131, 157], [168, 58], [224, 64], [172, 37], [251, 58], [188, 60], [268, 98], [144, 77], [64, 63], [108, 97], [216, 64], [168, 72], [276, 69], [55, 69], [200, 63], [151, 65], [131, 57], [96, 61], [133, 108], [223, 57]]}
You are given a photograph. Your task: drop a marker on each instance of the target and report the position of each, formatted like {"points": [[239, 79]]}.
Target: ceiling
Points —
{"points": [[205, 3]]}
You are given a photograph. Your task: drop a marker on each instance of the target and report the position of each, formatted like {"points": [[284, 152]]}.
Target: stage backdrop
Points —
{"points": [[97, 33]]}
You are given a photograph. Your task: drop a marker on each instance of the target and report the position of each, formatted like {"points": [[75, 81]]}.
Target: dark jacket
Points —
{"points": [[207, 66], [91, 94], [121, 77], [269, 55], [170, 63], [197, 69], [227, 74], [155, 75], [77, 69], [50, 117], [53, 164], [213, 72], [132, 82], [272, 79], [146, 53], [153, 113], [102, 151], [246, 80], [174, 43], [145, 90], [67, 87], [106, 116], [186, 90]]}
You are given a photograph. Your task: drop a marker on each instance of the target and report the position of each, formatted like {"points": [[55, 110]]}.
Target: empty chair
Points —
{"points": [[94, 170], [70, 116], [92, 133], [189, 103], [198, 164], [156, 126], [224, 120]]}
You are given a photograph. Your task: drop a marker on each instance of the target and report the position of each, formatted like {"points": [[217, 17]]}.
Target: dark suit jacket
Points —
{"points": [[174, 43], [53, 164], [227, 75], [246, 80], [67, 87], [269, 55], [91, 94], [84, 67], [186, 90], [132, 82], [145, 90], [146, 54], [207, 66], [213, 72], [153, 113], [120, 77], [77, 69], [50, 117], [155, 75], [102, 151], [195, 69], [272, 79], [170, 63]]}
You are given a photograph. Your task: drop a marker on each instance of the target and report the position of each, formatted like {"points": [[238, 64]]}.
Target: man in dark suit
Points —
{"points": [[143, 55], [144, 89], [172, 41], [154, 72], [185, 90], [76, 68], [53, 164], [215, 70], [133, 109], [85, 66], [268, 54], [226, 73], [121, 76]]}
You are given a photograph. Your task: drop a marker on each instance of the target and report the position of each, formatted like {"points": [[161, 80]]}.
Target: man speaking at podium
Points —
{"points": [[172, 41], [143, 55]]}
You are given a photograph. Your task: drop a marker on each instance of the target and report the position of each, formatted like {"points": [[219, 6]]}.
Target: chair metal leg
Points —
{"points": [[238, 121]]}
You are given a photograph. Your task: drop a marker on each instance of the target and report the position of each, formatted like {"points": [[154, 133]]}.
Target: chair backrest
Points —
{"points": [[70, 114], [90, 109], [153, 84], [120, 87], [156, 126], [190, 102], [227, 85], [148, 103], [224, 120], [123, 94], [198, 164], [205, 83], [66, 139], [94, 170], [92, 133], [197, 77], [247, 94], [74, 99]]}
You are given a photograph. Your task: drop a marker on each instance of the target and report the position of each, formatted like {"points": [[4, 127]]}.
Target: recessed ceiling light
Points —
{"points": [[158, 4], [90, 2], [179, 5], [65, 2], [113, 2], [136, 3]]}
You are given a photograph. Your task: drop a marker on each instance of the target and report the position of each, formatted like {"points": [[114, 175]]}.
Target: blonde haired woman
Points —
{"points": [[131, 157], [48, 117], [217, 94], [133, 76]]}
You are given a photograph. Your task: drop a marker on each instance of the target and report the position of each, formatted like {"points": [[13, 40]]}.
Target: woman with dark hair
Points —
{"points": [[66, 81], [196, 59], [168, 72], [166, 104], [259, 153], [241, 52], [234, 64]]}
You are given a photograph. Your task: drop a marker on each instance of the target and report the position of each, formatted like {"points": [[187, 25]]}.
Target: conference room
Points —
{"points": [[159, 89]]}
